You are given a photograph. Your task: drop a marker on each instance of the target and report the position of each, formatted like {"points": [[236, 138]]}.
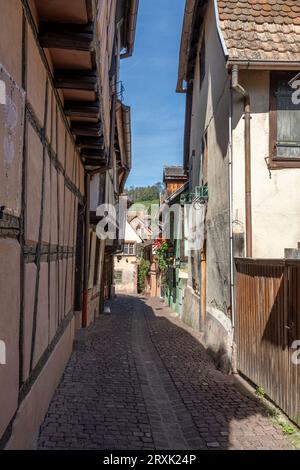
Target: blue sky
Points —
{"points": [[150, 78]]}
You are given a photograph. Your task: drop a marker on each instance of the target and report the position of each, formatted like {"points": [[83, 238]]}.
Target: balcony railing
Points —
{"points": [[199, 194]]}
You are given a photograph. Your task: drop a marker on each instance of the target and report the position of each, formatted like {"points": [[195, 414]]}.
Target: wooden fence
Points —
{"points": [[267, 324]]}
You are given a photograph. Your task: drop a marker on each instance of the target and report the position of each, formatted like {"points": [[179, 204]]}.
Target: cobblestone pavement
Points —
{"points": [[139, 379]]}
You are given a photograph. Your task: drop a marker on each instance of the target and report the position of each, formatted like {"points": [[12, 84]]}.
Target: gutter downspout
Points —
{"points": [[247, 111], [132, 22], [185, 43], [232, 284], [86, 253], [127, 138]]}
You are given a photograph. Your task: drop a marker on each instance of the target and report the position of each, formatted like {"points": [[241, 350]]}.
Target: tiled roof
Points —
{"points": [[261, 29], [174, 172]]}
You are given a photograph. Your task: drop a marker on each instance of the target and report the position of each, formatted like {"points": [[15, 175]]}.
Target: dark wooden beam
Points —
{"points": [[92, 129], [97, 171], [95, 162], [82, 109], [89, 9], [90, 142], [75, 80], [75, 37], [93, 153]]}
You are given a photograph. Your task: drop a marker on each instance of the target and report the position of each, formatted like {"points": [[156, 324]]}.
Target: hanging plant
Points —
{"points": [[161, 250], [143, 272]]}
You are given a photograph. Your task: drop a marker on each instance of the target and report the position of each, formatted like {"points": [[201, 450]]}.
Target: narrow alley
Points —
{"points": [[139, 379]]}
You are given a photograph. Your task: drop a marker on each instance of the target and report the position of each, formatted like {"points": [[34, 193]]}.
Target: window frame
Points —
{"points": [[118, 279], [195, 268], [202, 61], [276, 162], [204, 161], [130, 246]]}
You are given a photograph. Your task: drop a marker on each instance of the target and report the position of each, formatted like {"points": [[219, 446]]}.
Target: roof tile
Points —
{"points": [[261, 29]]}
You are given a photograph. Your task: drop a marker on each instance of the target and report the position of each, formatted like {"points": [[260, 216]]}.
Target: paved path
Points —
{"points": [[139, 379]]}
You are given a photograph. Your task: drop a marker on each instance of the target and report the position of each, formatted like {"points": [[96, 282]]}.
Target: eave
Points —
{"points": [[123, 138], [129, 27], [66, 39]]}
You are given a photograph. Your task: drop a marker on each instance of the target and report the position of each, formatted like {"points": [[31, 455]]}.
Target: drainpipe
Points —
{"points": [[232, 285], [248, 205], [131, 28], [86, 254]]}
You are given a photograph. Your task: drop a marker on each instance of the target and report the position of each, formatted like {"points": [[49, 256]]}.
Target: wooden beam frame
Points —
{"points": [[75, 80], [70, 36], [95, 162], [93, 153], [82, 109], [90, 142], [92, 129]]}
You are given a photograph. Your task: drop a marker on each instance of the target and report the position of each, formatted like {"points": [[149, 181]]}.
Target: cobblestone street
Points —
{"points": [[139, 379]]}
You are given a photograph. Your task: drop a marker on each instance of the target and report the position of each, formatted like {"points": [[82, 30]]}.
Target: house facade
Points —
{"points": [[176, 277], [126, 263], [238, 68], [174, 177], [65, 148]]}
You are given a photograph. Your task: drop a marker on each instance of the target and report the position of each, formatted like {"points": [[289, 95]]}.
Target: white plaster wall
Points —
{"points": [[131, 235], [275, 194], [128, 266], [210, 113], [94, 193]]}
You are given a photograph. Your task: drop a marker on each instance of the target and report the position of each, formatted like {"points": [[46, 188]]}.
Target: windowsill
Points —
{"points": [[277, 163]]}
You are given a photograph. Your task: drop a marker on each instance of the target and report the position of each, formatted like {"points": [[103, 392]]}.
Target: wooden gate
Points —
{"points": [[267, 324]]}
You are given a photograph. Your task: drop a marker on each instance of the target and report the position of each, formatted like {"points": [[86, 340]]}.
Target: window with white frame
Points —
{"points": [[129, 249]]}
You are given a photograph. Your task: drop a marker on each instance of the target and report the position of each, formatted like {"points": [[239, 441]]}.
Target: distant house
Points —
{"points": [[174, 177], [126, 263], [238, 65], [176, 276], [139, 224]]}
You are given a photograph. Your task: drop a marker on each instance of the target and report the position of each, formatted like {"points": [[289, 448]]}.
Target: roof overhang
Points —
{"points": [[176, 194], [123, 128], [191, 30], [66, 38], [129, 29], [263, 64]]}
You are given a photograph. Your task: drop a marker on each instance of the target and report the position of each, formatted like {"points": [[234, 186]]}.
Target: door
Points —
{"points": [[203, 287], [79, 260]]}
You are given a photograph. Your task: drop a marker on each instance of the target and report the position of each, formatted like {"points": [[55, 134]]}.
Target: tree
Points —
{"points": [[144, 193]]}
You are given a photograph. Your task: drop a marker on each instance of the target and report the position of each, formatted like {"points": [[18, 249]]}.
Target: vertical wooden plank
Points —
{"points": [[268, 300]]}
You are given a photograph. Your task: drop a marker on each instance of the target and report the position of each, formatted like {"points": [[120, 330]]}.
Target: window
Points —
{"points": [[184, 235], [129, 249], [195, 265], [284, 122], [204, 161], [202, 62], [118, 275], [97, 260], [172, 226]]}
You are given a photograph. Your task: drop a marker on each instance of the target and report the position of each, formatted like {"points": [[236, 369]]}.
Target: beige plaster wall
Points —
{"points": [[34, 407], [210, 114], [128, 266], [56, 277], [11, 21], [275, 194], [9, 328]]}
